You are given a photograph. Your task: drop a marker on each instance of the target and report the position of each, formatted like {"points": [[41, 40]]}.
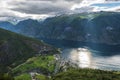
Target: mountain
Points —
{"points": [[100, 27], [28, 27], [16, 49], [6, 25]]}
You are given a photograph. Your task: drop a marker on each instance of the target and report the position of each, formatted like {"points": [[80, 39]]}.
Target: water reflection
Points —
{"points": [[86, 58], [81, 56]]}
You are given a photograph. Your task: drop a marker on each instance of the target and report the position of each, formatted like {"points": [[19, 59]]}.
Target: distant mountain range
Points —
{"points": [[100, 27]]}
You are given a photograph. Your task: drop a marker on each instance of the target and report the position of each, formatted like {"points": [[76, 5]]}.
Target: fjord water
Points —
{"points": [[89, 55], [86, 58]]}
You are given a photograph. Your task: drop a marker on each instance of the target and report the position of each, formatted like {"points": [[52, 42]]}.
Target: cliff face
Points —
{"points": [[101, 27], [15, 49]]}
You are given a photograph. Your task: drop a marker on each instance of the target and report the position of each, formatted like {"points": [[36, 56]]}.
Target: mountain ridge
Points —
{"points": [[101, 27]]}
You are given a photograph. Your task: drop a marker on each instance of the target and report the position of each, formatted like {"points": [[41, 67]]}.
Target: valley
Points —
{"points": [[65, 47]]}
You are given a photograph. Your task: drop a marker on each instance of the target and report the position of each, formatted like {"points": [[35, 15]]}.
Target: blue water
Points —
{"points": [[103, 56]]}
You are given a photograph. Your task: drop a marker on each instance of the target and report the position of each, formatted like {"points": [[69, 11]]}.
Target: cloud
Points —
{"points": [[86, 3], [75, 1], [34, 7], [43, 8], [97, 5], [40, 7], [111, 6]]}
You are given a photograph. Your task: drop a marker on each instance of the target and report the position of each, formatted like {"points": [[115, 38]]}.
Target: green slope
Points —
{"points": [[15, 49], [86, 74], [44, 64], [75, 74]]}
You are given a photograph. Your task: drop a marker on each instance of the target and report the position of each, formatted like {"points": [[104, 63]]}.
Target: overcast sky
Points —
{"points": [[43, 8]]}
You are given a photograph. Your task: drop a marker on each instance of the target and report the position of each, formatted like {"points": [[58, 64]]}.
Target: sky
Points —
{"points": [[37, 9]]}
